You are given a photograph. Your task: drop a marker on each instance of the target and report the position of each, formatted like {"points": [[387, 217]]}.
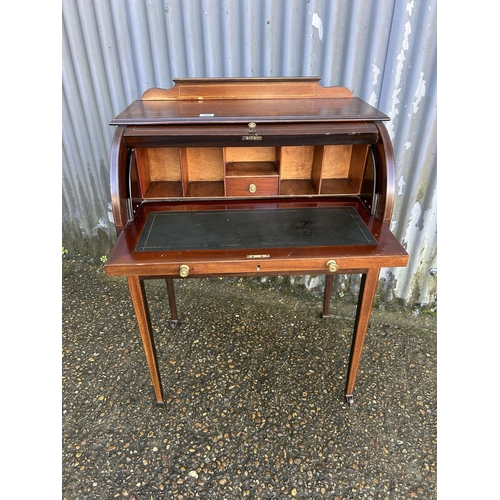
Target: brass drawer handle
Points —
{"points": [[332, 266], [252, 188], [184, 271]]}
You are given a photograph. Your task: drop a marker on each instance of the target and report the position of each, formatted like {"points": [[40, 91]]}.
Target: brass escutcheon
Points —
{"points": [[332, 266], [252, 188], [184, 271]]}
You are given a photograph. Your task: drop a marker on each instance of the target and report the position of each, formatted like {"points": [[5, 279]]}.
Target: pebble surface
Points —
{"points": [[253, 380]]}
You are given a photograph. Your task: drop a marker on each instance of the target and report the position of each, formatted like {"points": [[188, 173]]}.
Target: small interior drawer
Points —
{"points": [[251, 186]]}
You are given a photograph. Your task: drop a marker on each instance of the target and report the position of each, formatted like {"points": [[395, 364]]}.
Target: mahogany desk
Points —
{"points": [[251, 177]]}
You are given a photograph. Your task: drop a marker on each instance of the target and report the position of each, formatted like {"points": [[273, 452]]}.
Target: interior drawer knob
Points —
{"points": [[252, 127], [332, 266], [184, 271], [252, 188]]}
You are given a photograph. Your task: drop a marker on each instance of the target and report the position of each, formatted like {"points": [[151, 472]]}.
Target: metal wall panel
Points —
{"points": [[384, 51]]}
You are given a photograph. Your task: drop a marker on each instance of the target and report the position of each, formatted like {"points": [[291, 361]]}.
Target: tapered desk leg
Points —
{"points": [[328, 295], [367, 291], [138, 295], [171, 301]]}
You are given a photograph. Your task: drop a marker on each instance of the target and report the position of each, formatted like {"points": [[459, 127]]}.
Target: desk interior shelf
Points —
{"points": [[192, 172]]}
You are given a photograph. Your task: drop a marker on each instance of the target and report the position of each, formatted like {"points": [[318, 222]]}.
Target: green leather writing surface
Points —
{"points": [[253, 229]]}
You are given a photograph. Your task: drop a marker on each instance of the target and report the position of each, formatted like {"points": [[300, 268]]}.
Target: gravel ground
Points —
{"points": [[253, 381]]}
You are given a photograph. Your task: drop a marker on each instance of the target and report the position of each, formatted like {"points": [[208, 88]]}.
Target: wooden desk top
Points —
{"points": [[212, 112], [236, 100], [253, 229], [380, 249]]}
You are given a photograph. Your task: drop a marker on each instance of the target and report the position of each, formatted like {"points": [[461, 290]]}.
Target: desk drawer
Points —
{"points": [[251, 186], [254, 265]]}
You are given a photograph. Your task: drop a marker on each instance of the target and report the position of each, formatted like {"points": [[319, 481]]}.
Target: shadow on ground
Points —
{"points": [[253, 381]]}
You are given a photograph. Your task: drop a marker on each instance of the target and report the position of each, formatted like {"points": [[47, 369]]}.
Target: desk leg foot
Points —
{"points": [[327, 296], [349, 399], [138, 295], [367, 291]]}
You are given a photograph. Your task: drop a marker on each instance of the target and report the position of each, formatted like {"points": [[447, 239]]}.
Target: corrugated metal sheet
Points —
{"points": [[384, 51]]}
